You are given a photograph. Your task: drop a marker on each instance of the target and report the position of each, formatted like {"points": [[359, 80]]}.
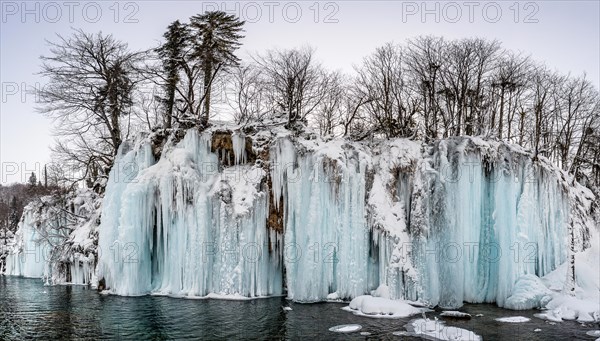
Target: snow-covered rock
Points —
{"points": [[528, 293], [367, 305], [437, 330], [582, 303]]}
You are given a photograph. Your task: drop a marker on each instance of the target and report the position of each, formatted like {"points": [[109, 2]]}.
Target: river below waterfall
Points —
{"points": [[30, 310]]}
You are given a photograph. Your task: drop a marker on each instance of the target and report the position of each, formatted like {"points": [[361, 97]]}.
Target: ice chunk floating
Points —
{"points": [[346, 328], [380, 307], [437, 330], [455, 314], [513, 319]]}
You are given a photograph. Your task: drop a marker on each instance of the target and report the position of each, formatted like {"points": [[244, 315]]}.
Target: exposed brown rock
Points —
{"points": [[101, 284], [275, 217], [396, 172], [160, 137], [222, 145]]}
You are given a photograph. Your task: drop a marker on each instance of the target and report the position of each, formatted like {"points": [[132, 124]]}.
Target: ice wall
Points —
{"points": [[29, 256], [327, 238], [182, 227], [492, 218], [55, 239], [458, 220]]}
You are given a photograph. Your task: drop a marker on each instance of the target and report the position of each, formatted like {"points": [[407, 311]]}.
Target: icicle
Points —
{"points": [[187, 236], [283, 163], [490, 227], [30, 256], [327, 240], [238, 140]]}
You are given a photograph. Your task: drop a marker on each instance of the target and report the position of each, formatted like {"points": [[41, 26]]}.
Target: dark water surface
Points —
{"points": [[30, 310]]}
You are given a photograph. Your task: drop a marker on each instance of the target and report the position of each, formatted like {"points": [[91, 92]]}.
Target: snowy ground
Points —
{"points": [[558, 301]]}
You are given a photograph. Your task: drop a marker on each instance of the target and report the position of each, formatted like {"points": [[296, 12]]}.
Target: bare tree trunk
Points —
{"points": [[208, 77], [569, 287], [501, 114]]}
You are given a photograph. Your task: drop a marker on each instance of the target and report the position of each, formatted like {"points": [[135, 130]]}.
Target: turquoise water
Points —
{"points": [[30, 310]]}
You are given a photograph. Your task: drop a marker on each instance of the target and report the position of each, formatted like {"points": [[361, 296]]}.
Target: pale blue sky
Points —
{"points": [[563, 34]]}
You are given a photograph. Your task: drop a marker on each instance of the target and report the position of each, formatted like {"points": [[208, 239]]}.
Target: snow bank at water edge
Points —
{"points": [[553, 293]]}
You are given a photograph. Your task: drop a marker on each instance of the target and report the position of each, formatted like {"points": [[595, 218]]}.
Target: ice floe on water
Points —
{"points": [[437, 330], [367, 305], [455, 314], [513, 319], [346, 328], [593, 333]]}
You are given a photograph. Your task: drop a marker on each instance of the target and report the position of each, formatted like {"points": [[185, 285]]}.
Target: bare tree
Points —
{"points": [[353, 120], [586, 163], [151, 108], [246, 94], [424, 59], [575, 102], [381, 78], [295, 82], [329, 112], [543, 85], [507, 85], [91, 79], [468, 63]]}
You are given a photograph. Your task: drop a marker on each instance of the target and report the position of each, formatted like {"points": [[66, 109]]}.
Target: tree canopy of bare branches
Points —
{"points": [[91, 80]]}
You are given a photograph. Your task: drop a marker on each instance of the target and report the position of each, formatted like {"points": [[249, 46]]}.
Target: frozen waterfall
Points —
{"points": [[459, 220], [180, 227], [29, 257]]}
